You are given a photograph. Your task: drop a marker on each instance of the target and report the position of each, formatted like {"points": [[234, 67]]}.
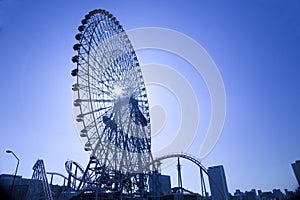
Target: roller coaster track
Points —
{"points": [[189, 157], [193, 159]]}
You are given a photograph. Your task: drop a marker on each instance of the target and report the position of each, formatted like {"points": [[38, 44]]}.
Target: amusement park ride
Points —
{"points": [[112, 113]]}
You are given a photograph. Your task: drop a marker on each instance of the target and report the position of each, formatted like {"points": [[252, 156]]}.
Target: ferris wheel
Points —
{"points": [[110, 97]]}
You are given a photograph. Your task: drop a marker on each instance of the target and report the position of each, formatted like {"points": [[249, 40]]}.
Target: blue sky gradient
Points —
{"points": [[255, 44]]}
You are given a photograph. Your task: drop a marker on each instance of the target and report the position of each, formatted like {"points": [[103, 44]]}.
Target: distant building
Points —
{"points": [[19, 189], [296, 168], [217, 183], [24, 188], [238, 195], [259, 193], [160, 184], [275, 194], [289, 194], [267, 196], [250, 195]]}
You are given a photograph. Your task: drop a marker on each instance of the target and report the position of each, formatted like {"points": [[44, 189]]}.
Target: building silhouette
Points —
{"points": [[217, 183], [296, 168], [275, 194]]}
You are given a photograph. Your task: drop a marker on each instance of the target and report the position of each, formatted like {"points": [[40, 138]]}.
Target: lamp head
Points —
{"points": [[8, 151]]}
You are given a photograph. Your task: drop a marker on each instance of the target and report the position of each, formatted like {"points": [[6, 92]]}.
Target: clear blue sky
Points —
{"points": [[256, 46]]}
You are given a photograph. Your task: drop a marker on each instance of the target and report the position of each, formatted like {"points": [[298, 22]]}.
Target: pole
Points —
{"points": [[179, 179], [12, 186]]}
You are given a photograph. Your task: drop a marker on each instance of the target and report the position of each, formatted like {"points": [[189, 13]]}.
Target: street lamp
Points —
{"points": [[12, 186]]}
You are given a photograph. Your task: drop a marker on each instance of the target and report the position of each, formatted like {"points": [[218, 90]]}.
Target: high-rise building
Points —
{"points": [[296, 168], [217, 183]]}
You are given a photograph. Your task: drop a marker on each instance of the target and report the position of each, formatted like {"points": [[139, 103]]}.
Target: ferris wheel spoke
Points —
{"points": [[95, 111], [91, 78], [105, 83], [94, 62], [97, 35], [97, 90], [82, 76], [94, 100]]}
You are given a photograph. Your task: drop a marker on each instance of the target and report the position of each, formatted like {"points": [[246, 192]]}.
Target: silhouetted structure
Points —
{"points": [[296, 168], [20, 185], [217, 183], [275, 194], [23, 189]]}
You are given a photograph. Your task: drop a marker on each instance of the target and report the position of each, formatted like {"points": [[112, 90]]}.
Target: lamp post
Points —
{"points": [[12, 186]]}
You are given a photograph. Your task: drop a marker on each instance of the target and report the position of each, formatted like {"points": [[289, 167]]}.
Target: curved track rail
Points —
{"points": [[189, 157], [196, 161]]}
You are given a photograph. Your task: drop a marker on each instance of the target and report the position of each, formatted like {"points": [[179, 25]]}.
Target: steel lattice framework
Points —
{"points": [[110, 95], [39, 176], [98, 177]]}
